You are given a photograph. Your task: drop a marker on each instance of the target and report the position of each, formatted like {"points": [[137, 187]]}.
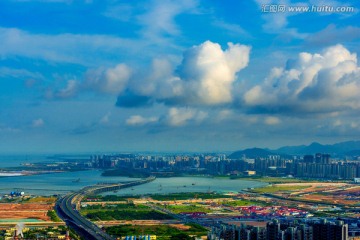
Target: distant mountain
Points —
{"points": [[353, 153], [303, 149], [291, 149], [349, 148], [334, 149], [251, 153]]}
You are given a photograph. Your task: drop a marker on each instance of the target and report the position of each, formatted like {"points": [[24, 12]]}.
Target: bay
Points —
{"points": [[190, 184], [61, 183], [7, 161]]}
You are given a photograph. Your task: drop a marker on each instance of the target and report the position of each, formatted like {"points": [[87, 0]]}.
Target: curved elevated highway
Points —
{"points": [[68, 207]]}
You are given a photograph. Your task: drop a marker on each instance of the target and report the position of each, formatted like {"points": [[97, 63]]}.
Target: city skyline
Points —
{"points": [[87, 76]]}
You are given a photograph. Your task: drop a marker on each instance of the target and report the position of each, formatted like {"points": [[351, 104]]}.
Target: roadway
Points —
{"points": [[68, 207]]}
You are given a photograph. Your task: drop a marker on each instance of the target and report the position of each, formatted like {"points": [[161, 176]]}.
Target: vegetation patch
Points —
{"points": [[108, 207], [109, 198], [53, 216], [279, 188], [127, 215], [42, 200], [188, 208], [163, 232], [237, 203], [158, 197], [273, 180], [122, 212], [186, 196]]}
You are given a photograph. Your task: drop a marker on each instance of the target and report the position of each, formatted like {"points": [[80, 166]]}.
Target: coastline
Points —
{"points": [[24, 173], [11, 174]]}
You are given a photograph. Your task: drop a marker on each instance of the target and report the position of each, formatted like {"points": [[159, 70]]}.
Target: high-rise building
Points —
{"points": [[290, 234], [305, 232], [308, 159], [245, 232], [330, 231], [273, 230]]}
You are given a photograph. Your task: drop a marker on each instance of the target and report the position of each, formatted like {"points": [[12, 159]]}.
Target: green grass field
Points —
{"points": [[110, 198], [241, 203], [163, 232], [186, 196], [53, 216], [188, 208], [275, 189], [273, 180], [42, 200], [122, 212]]}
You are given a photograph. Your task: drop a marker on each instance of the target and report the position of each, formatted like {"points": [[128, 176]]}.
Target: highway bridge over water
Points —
{"points": [[68, 208]]}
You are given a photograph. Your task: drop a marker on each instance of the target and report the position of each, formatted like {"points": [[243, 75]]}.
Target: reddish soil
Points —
{"points": [[26, 210]]}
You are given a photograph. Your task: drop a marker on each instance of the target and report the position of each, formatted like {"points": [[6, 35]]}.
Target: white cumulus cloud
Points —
{"points": [[111, 80], [37, 123], [205, 77], [68, 91], [272, 121], [181, 116], [106, 118], [208, 72], [320, 82], [138, 120]]}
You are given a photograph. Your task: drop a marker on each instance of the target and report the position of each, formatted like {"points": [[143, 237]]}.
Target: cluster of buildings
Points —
{"points": [[308, 166], [271, 212], [274, 230], [17, 233], [252, 212], [321, 166], [207, 164], [12, 195]]}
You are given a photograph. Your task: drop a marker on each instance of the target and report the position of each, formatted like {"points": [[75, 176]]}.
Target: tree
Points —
{"points": [[181, 236]]}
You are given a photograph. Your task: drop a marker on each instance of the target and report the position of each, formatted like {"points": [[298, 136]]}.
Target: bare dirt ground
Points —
{"points": [[333, 193], [26, 210]]}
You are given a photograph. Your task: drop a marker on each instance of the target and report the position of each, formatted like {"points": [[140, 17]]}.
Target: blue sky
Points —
{"points": [[160, 75]]}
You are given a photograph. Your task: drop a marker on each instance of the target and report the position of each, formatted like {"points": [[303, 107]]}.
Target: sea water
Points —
{"points": [[62, 183]]}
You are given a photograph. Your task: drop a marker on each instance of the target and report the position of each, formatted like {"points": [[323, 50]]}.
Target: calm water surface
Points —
{"points": [[190, 184], [61, 183], [15, 160]]}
